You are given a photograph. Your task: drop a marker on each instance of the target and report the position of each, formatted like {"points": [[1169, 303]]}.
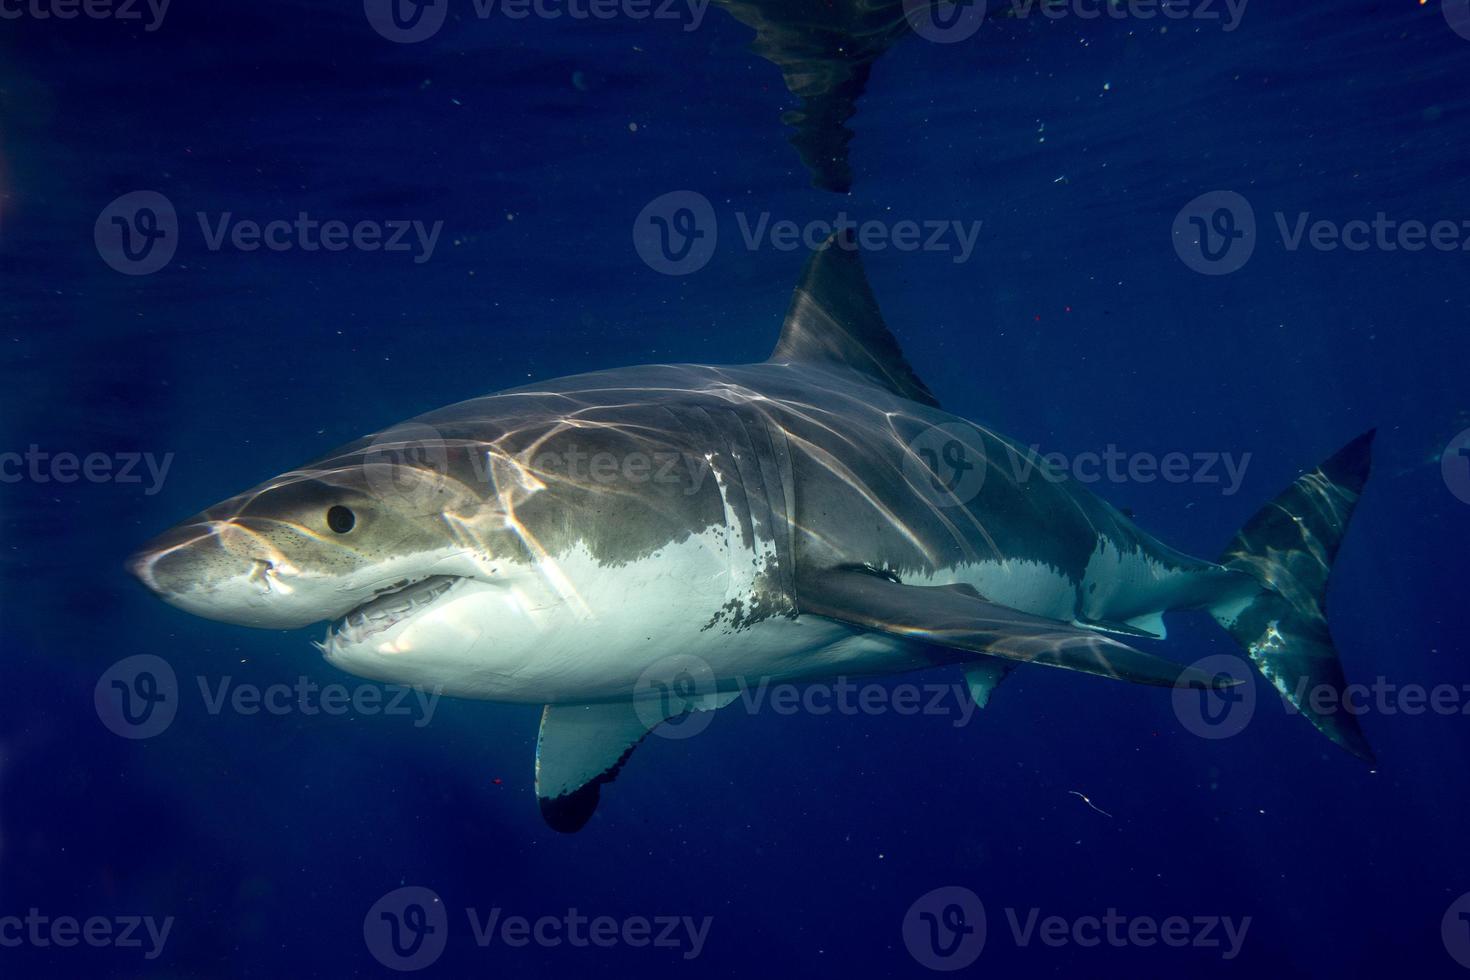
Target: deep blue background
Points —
{"points": [[806, 838]]}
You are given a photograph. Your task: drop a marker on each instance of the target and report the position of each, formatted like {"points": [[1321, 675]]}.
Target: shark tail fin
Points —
{"points": [[1288, 548]]}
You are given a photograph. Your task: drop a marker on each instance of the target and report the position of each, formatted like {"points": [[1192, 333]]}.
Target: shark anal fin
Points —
{"points": [[960, 620]]}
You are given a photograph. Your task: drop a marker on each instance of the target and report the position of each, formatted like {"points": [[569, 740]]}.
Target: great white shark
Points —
{"points": [[631, 546]]}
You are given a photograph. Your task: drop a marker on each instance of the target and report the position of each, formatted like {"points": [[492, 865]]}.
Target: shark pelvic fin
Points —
{"points": [[959, 619], [983, 676], [834, 319]]}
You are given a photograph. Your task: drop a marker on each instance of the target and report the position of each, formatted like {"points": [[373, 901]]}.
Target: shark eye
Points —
{"points": [[340, 519]]}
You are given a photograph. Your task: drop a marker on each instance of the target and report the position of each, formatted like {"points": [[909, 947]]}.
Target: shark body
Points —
{"points": [[629, 546]]}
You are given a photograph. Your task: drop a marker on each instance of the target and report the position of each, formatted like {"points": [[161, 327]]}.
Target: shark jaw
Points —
{"points": [[427, 633], [388, 609]]}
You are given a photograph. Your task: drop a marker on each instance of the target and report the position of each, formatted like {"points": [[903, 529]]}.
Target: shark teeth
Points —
{"points": [[383, 612]]}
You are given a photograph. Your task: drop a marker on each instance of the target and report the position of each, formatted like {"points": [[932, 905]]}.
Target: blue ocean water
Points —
{"points": [[798, 841]]}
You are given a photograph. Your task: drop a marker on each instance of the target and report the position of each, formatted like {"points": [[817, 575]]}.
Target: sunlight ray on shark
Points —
{"points": [[789, 521]]}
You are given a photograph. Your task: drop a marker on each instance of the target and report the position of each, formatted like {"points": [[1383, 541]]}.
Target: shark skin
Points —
{"points": [[635, 546]]}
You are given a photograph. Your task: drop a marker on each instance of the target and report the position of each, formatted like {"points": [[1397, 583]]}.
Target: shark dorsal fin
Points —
{"points": [[834, 319]]}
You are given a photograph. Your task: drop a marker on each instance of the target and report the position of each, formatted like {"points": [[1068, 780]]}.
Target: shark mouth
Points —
{"points": [[387, 609]]}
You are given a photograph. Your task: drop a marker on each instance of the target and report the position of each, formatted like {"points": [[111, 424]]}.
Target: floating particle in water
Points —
{"points": [[1084, 799]]}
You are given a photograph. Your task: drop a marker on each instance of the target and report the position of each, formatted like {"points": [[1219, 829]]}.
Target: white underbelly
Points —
{"points": [[575, 629]]}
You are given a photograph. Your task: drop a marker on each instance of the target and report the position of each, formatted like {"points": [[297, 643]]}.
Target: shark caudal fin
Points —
{"points": [[1288, 547]]}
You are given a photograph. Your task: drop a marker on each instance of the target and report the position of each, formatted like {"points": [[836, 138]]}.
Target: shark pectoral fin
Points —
{"points": [[984, 676], [580, 747], [1126, 629], [959, 619], [583, 746]]}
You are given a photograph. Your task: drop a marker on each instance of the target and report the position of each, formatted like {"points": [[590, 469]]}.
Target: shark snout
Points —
{"points": [[220, 571], [187, 557]]}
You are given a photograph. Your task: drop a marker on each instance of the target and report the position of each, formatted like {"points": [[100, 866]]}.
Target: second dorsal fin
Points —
{"points": [[834, 319]]}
